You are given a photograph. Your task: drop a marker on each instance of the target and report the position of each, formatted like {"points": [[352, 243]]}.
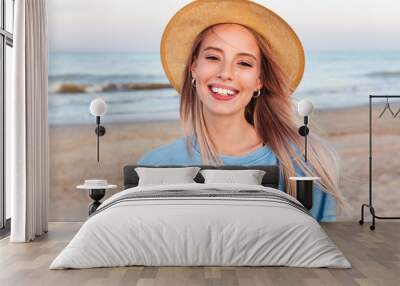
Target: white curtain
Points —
{"points": [[27, 124]]}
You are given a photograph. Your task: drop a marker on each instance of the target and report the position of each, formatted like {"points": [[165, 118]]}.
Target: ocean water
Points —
{"points": [[331, 80]]}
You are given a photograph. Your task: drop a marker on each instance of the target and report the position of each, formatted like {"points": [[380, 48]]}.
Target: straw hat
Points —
{"points": [[188, 22]]}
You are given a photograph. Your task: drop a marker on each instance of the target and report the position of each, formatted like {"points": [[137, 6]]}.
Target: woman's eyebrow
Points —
{"points": [[239, 54]]}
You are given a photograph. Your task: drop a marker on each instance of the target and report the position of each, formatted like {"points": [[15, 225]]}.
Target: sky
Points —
{"points": [[137, 25]]}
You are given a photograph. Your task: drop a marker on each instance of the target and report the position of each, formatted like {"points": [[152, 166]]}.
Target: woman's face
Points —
{"points": [[227, 69]]}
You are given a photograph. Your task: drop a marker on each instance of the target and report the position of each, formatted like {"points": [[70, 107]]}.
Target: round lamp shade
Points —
{"points": [[305, 107], [98, 107]]}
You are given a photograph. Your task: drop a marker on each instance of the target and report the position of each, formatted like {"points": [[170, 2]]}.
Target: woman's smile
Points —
{"points": [[222, 92]]}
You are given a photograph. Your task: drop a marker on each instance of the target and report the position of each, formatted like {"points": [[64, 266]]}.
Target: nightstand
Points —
{"points": [[304, 187], [97, 190]]}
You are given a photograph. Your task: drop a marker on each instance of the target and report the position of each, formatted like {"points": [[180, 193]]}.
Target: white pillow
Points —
{"points": [[162, 176], [249, 177]]}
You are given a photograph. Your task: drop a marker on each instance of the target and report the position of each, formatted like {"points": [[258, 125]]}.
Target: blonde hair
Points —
{"points": [[272, 116]]}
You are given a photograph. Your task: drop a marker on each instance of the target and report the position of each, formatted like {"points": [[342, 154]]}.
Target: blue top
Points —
{"points": [[175, 153]]}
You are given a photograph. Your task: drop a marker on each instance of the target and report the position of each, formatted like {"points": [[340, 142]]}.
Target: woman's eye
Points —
{"points": [[212, 58], [246, 64]]}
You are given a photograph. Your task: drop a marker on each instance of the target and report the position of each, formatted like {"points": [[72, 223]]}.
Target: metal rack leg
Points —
{"points": [[372, 210], [361, 221], [374, 216]]}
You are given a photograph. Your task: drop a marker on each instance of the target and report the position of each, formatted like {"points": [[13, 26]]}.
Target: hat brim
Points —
{"points": [[192, 19]]}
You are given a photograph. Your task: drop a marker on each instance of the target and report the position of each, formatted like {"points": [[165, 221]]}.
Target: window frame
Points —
{"points": [[6, 39]]}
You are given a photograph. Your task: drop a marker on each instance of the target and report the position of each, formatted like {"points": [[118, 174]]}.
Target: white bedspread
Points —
{"points": [[200, 231]]}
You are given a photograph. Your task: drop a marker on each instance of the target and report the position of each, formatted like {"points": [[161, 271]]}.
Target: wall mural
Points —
{"points": [[225, 104]]}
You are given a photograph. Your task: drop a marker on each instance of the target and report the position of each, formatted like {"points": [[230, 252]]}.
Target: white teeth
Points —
{"points": [[222, 91]]}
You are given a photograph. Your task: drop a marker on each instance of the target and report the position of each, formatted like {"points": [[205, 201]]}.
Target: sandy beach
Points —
{"points": [[73, 158]]}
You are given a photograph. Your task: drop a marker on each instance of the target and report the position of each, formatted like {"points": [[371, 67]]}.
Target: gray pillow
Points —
{"points": [[249, 177], [162, 176]]}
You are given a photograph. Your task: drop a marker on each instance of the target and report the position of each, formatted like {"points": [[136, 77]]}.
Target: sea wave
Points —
{"points": [[346, 89], [88, 77], [108, 87], [384, 74]]}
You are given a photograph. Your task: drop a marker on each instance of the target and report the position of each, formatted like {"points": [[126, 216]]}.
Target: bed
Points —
{"points": [[201, 224]]}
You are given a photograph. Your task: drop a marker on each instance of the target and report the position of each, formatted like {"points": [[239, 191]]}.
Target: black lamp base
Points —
{"points": [[96, 195], [304, 193]]}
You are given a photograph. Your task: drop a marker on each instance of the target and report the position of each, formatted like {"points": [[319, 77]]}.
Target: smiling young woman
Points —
{"points": [[226, 74], [235, 64]]}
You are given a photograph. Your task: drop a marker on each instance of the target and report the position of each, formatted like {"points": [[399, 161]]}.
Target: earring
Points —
{"points": [[258, 94], [193, 82]]}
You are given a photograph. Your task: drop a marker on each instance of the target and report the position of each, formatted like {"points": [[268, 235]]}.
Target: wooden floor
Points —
{"points": [[374, 255]]}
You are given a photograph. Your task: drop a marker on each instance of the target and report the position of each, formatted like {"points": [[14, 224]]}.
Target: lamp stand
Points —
{"points": [[303, 131], [100, 131]]}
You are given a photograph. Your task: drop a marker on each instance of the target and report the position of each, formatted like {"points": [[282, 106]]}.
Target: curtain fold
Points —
{"points": [[28, 123]]}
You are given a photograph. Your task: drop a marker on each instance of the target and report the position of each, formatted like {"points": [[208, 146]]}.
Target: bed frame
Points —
{"points": [[270, 179]]}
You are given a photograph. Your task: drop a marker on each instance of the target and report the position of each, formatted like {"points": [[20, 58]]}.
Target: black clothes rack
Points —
{"points": [[370, 205]]}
